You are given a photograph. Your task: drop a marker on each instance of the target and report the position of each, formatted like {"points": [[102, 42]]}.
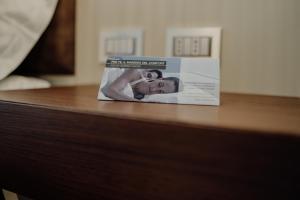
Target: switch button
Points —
{"points": [[185, 46]]}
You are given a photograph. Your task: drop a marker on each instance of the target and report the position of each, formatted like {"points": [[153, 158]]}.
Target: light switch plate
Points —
{"points": [[120, 42], [193, 42]]}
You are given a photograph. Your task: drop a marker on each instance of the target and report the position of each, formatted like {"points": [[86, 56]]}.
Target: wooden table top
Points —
{"points": [[62, 143], [268, 114]]}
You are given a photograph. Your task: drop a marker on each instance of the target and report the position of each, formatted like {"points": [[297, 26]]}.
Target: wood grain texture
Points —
{"points": [[238, 111], [54, 53], [62, 143]]}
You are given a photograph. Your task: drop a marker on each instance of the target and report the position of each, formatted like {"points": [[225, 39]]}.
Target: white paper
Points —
{"points": [[179, 80]]}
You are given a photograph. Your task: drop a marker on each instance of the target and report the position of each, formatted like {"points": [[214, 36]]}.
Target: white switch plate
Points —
{"points": [[120, 42], [193, 42]]}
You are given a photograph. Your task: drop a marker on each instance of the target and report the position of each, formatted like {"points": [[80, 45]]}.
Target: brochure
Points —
{"points": [[161, 80]]}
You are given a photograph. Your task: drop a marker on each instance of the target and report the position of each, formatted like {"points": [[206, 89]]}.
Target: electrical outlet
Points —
{"points": [[193, 42], [120, 42]]}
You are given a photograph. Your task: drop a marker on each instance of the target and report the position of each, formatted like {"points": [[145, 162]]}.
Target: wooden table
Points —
{"points": [[62, 143]]}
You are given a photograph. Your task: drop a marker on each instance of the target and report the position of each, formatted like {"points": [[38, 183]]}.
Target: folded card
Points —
{"points": [[161, 80]]}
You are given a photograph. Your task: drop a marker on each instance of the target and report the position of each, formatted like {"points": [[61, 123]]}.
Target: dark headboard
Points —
{"points": [[54, 53]]}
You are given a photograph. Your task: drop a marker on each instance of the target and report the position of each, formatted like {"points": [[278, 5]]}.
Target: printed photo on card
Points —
{"points": [[161, 80]]}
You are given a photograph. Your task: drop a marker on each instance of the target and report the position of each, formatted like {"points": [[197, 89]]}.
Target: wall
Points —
{"points": [[260, 46]]}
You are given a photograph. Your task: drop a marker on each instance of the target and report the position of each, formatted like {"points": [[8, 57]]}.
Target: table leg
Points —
{"points": [[1, 195]]}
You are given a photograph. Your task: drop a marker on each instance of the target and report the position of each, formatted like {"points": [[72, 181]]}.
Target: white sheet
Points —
{"points": [[16, 82], [22, 22]]}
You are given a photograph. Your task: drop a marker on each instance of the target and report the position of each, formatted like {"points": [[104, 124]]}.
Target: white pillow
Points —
{"points": [[16, 82], [22, 22]]}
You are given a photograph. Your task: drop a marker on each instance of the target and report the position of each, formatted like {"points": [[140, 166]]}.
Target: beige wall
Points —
{"points": [[260, 46]]}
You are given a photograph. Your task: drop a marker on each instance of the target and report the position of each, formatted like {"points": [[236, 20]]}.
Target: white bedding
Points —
{"points": [[16, 82], [22, 22]]}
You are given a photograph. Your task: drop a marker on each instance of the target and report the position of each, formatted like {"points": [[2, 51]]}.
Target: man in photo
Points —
{"points": [[134, 84]]}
